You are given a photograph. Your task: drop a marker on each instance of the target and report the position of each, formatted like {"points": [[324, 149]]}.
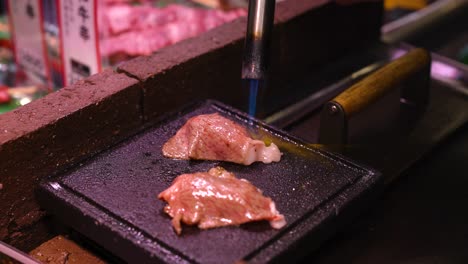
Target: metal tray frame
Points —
{"points": [[92, 204]]}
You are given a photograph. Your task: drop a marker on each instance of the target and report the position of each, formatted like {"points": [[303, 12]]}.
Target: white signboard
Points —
{"points": [[27, 32], [80, 39]]}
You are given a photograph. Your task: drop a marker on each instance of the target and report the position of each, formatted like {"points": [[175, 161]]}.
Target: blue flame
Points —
{"points": [[253, 94]]}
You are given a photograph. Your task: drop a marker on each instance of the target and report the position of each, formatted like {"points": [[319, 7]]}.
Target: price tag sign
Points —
{"points": [[79, 38], [27, 31]]}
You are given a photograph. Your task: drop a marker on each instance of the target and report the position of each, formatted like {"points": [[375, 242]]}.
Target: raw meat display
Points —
{"points": [[213, 137], [143, 29], [126, 1], [223, 4], [217, 198]]}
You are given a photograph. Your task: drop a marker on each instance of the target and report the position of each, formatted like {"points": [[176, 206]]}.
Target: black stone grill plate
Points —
{"points": [[111, 198]]}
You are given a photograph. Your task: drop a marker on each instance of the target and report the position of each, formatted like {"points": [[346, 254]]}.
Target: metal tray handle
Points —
{"points": [[411, 73]]}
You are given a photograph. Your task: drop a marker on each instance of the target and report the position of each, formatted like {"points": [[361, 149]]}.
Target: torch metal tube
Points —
{"points": [[258, 39]]}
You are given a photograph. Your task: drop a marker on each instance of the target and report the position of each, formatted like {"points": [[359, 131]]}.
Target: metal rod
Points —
{"points": [[420, 20], [258, 39], [295, 112], [16, 254], [256, 52]]}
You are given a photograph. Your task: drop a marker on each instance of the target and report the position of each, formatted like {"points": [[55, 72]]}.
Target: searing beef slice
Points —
{"points": [[213, 137], [217, 198]]}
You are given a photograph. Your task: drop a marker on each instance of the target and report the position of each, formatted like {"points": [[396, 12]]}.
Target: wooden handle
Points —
{"points": [[345, 118], [376, 85]]}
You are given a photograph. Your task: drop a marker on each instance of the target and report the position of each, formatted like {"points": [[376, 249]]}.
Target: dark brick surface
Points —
{"points": [[206, 66], [145, 67], [56, 131], [291, 9]]}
